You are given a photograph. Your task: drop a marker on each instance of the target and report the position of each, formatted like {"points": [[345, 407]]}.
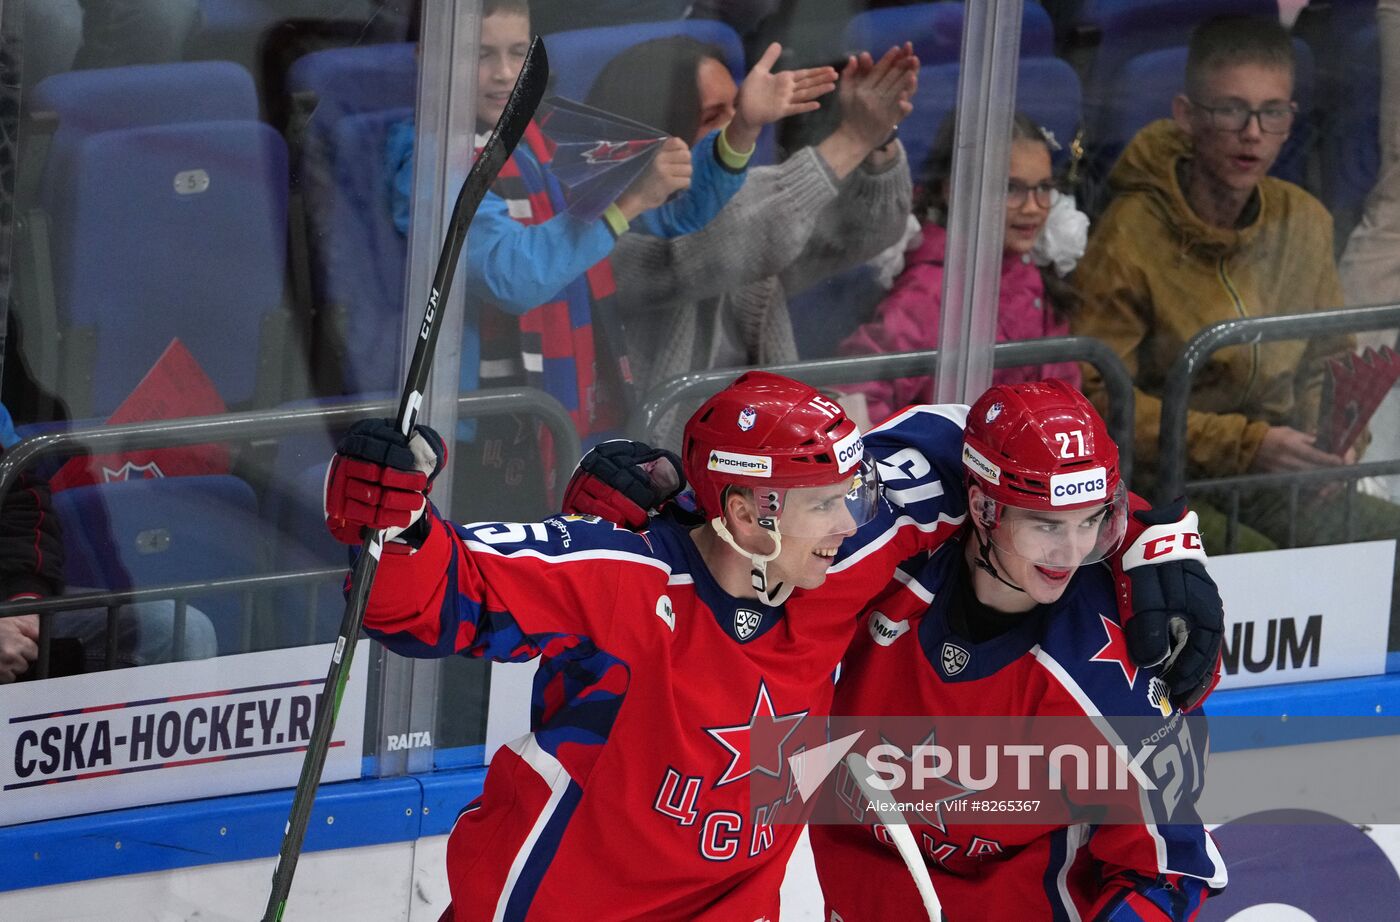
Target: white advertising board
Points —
{"points": [[169, 732], [1305, 613]]}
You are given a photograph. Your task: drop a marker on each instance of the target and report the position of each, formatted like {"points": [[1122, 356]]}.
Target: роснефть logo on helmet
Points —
{"points": [[734, 463]]}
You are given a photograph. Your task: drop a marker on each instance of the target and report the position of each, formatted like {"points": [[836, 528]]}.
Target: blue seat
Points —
{"points": [[358, 258], [163, 207], [1150, 81], [86, 102], [1350, 146], [1128, 28], [172, 231], [1047, 90], [141, 533], [577, 57], [347, 81], [936, 31]]}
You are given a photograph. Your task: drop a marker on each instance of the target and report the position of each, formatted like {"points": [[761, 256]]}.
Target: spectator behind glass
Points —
{"points": [[1033, 303], [1198, 233], [31, 567], [540, 277], [718, 298]]}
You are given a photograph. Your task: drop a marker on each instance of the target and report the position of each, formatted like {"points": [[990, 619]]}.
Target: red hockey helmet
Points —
{"points": [[775, 435], [1041, 448]]}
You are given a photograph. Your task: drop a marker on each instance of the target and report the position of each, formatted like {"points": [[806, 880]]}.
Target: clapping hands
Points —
{"points": [[765, 97]]}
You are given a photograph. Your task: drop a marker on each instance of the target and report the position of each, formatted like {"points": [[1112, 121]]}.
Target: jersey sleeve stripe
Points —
{"points": [[911, 582], [477, 547], [1065, 844], [530, 861]]}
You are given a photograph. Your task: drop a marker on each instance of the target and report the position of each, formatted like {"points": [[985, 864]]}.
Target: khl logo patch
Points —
{"points": [[746, 622], [954, 659]]}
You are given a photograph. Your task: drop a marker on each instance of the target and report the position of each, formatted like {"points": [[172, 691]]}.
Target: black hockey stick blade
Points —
{"points": [[510, 127]]}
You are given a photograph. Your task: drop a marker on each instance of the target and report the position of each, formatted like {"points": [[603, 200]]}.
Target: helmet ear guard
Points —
{"points": [[986, 509]]}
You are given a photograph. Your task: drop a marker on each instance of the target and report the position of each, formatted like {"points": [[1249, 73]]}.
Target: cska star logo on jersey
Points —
{"points": [[757, 744], [1115, 651]]}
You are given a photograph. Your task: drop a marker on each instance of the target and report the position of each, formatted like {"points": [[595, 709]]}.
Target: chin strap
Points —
{"points": [[984, 562], [774, 595]]}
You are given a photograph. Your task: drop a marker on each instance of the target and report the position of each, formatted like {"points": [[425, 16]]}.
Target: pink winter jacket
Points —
{"points": [[907, 321]]}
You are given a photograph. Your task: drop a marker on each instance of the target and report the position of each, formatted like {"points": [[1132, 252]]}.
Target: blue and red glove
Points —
{"points": [[380, 479], [1171, 609], [623, 481]]}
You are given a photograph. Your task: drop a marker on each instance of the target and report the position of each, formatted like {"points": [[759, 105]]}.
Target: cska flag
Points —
{"points": [[176, 386], [596, 154]]}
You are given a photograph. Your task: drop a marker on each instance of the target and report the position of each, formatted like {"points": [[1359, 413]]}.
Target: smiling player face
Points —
{"points": [[814, 522], [1041, 551]]}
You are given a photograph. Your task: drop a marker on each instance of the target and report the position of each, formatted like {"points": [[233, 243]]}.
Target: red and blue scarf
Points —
{"points": [[552, 346]]}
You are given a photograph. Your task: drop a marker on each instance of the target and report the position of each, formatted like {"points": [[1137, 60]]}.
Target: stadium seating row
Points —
{"points": [[164, 197]]}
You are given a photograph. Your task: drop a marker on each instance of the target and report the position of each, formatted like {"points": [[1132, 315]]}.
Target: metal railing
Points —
{"points": [[699, 385], [178, 593], [237, 427], [1176, 394], [261, 424]]}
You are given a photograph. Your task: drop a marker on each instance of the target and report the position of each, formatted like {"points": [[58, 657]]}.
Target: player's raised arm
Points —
{"points": [[488, 589]]}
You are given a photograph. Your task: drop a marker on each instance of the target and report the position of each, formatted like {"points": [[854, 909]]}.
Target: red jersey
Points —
{"points": [[1066, 659], [628, 799]]}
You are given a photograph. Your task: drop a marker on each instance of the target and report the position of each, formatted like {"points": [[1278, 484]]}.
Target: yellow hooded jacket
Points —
{"points": [[1155, 275]]}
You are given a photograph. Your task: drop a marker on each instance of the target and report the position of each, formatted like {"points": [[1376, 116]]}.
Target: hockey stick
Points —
{"points": [[520, 108], [899, 831]]}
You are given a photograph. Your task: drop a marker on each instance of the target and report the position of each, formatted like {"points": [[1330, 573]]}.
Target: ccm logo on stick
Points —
{"points": [[1079, 487]]}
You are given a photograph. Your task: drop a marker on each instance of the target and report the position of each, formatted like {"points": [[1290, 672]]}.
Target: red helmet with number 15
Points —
{"points": [[1042, 448], [774, 435]]}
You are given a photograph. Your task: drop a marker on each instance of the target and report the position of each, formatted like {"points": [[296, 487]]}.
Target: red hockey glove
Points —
{"points": [[622, 481], [379, 479], [1171, 609]]}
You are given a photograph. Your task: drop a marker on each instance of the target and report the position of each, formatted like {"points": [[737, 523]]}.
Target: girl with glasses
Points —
{"points": [[1043, 237]]}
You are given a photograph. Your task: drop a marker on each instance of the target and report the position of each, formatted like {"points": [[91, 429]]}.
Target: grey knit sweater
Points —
{"points": [[720, 295]]}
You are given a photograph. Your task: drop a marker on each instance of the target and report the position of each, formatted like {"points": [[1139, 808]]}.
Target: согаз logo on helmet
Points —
{"points": [[849, 451], [1078, 487]]}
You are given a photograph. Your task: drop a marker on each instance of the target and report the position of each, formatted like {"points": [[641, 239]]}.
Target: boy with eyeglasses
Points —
{"points": [[1199, 233]]}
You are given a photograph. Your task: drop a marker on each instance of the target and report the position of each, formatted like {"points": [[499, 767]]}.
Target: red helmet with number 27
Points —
{"points": [[1043, 447]]}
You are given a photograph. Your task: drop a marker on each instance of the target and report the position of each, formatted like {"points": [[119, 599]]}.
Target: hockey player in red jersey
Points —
{"points": [[658, 651], [1017, 617]]}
